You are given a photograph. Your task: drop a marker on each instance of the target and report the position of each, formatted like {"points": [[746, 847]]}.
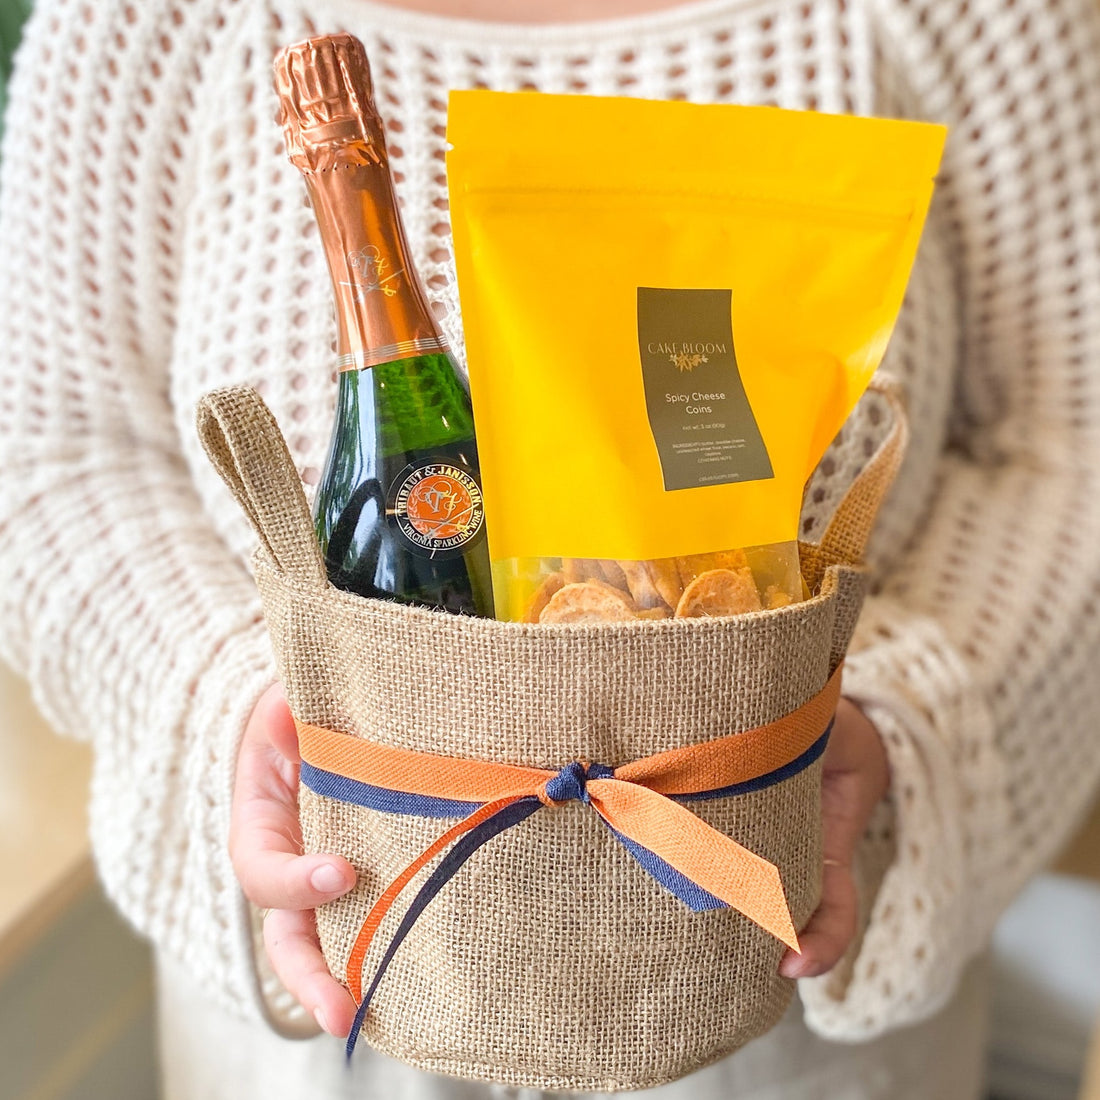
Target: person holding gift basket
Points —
{"points": [[961, 755]]}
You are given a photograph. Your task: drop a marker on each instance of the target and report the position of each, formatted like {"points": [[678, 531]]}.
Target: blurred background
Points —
{"points": [[77, 1016]]}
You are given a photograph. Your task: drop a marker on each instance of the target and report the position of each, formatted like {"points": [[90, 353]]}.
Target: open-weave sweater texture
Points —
{"points": [[156, 244]]}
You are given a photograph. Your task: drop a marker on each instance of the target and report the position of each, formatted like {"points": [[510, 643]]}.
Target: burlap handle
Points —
{"points": [[246, 447]]}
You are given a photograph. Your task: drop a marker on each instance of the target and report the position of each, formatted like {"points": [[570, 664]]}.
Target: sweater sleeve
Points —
{"points": [[975, 659], [137, 626]]}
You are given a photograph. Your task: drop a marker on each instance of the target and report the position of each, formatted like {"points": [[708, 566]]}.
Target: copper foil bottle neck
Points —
{"points": [[326, 103], [336, 138]]}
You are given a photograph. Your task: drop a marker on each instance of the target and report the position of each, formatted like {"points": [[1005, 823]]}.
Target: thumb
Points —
{"points": [[855, 776], [265, 839], [830, 930]]}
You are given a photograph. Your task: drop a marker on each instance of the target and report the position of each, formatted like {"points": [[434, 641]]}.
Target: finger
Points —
{"points": [[274, 878], [265, 846], [845, 811], [267, 761], [265, 840], [292, 946], [856, 749], [829, 931], [271, 721], [279, 723]]}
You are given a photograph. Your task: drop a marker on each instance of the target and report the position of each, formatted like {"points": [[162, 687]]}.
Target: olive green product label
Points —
{"points": [[701, 420]]}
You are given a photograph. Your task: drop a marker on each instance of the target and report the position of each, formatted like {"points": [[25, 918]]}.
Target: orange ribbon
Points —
{"points": [[636, 801]]}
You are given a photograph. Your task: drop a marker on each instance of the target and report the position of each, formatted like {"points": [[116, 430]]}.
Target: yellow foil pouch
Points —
{"points": [[669, 311]]}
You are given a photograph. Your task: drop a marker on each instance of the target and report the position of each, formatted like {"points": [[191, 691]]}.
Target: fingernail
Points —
{"points": [[327, 878], [319, 1016], [792, 966]]}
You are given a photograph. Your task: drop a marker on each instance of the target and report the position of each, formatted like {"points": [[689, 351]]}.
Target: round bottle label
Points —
{"points": [[438, 508]]}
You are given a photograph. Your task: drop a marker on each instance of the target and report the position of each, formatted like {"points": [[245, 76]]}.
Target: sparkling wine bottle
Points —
{"points": [[398, 509]]}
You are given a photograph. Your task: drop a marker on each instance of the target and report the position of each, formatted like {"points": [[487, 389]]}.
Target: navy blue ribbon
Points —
{"points": [[568, 785]]}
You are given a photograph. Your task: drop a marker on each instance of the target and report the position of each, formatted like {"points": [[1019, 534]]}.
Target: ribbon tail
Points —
{"points": [[492, 819], [381, 907], [699, 855], [690, 893]]}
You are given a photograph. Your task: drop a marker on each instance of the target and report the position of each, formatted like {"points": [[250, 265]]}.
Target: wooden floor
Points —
{"points": [[76, 1011], [1082, 857], [76, 989]]}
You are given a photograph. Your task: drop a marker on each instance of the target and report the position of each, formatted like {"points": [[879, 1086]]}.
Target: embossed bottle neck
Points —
{"points": [[335, 136], [382, 312]]}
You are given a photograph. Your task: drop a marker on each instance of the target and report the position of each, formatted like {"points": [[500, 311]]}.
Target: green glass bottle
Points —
{"points": [[398, 509]]}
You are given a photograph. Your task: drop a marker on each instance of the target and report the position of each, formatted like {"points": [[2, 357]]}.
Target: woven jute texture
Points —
{"points": [[552, 960]]}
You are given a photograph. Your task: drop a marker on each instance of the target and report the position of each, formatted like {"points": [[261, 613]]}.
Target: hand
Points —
{"points": [[856, 775], [265, 845]]}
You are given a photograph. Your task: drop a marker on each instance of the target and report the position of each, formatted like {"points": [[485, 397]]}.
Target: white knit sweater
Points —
{"points": [[156, 243]]}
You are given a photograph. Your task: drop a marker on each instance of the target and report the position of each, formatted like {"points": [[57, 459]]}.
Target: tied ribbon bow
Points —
{"points": [[640, 802]]}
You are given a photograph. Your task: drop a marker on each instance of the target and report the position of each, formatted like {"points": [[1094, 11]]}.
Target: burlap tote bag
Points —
{"points": [[570, 839]]}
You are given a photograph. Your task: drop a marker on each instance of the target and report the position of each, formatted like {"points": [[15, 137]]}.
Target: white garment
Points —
{"points": [[208, 1054], [157, 244]]}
